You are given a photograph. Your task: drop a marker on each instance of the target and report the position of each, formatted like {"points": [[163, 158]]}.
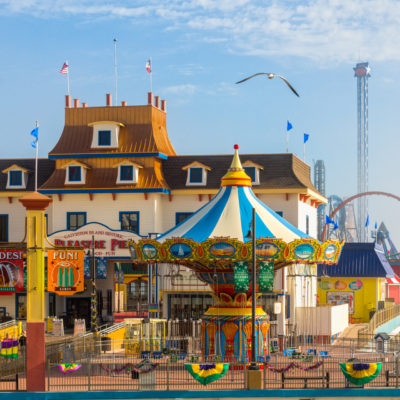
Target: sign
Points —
{"points": [[326, 285], [49, 324], [107, 242], [153, 307], [241, 277], [101, 268], [356, 285], [340, 285], [79, 327], [266, 277], [277, 307], [337, 298], [65, 271], [86, 267], [119, 276], [58, 327], [11, 271]]}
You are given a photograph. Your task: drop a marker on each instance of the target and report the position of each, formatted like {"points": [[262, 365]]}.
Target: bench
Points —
{"points": [[305, 379]]}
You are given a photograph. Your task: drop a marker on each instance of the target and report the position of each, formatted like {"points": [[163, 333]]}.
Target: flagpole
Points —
{"points": [[68, 77], [151, 73], [115, 59], [304, 150], [36, 160], [287, 138]]}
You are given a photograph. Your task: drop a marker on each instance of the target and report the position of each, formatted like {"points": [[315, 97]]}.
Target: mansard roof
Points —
{"points": [[280, 171], [46, 168], [143, 130]]}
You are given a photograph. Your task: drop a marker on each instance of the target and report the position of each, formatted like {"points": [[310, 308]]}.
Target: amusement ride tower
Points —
{"points": [[362, 72]]}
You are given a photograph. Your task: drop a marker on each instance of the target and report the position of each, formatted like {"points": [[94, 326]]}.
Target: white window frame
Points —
{"points": [[24, 179], [113, 127]]}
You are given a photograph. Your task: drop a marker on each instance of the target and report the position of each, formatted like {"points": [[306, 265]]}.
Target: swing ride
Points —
{"points": [[213, 244]]}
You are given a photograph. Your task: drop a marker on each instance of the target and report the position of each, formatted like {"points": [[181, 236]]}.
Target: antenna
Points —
{"points": [[115, 58]]}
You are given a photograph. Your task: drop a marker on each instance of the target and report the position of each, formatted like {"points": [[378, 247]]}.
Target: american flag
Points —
{"points": [[64, 69]]}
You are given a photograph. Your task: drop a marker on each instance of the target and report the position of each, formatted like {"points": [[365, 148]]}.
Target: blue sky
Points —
{"points": [[200, 48]]}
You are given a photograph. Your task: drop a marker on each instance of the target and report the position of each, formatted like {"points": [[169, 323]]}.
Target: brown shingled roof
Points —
{"points": [[280, 171]]}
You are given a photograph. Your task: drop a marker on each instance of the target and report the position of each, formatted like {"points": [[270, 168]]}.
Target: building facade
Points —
{"points": [[114, 175]]}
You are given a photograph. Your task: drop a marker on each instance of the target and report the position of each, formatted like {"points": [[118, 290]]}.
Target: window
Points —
{"points": [[3, 228], [307, 225], [104, 138], [15, 178], [196, 175], [251, 172], [280, 213], [139, 291], [126, 173], [109, 302], [99, 302], [75, 220], [22, 302], [74, 174], [52, 305], [180, 217], [129, 221]]}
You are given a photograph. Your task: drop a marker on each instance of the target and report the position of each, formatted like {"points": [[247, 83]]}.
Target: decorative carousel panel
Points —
{"points": [[305, 250], [222, 249], [330, 251], [180, 249], [269, 248]]}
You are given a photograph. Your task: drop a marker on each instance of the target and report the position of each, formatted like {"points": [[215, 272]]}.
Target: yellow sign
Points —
{"points": [[65, 271], [132, 348]]}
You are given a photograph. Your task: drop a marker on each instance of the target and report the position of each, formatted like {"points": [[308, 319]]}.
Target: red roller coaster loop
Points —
{"points": [[356, 197]]}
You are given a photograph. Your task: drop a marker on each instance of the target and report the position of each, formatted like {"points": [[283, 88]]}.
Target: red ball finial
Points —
{"points": [[236, 146]]}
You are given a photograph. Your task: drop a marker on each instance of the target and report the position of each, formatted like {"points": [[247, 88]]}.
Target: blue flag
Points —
{"points": [[35, 133], [376, 224], [306, 137], [367, 222], [33, 144], [289, 126], [331, 221]]}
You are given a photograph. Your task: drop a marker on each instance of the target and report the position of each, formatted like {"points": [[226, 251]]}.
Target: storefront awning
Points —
{"points": [[393, 281]]}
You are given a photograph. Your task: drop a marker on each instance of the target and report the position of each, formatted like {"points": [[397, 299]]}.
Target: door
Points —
{"points": [[78, 308]]}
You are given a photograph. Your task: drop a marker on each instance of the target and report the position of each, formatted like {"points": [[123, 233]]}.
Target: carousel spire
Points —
{"points": [[236, 175]]}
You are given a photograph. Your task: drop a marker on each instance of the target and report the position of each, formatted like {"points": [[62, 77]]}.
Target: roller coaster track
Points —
{"points": [[356, 197]]}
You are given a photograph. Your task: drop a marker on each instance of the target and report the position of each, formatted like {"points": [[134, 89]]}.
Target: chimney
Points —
{"points": [[108, 100], [164, 105], [76, 103], [68, 101], [150, 99], [123, 103], [157, 98], [84, 105]]}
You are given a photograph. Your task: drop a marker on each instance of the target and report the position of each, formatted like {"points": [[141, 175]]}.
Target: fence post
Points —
{"points": [[265, 376], [244, 373], [397, 372], [323, 372], [48, 375], [89, 359], [276, 366], [167, 373]]}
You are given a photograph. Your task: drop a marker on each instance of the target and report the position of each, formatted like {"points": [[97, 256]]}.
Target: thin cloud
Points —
{"points": [[187, 89]]}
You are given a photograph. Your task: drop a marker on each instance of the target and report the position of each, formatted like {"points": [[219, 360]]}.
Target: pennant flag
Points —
{"points": [[306, 137], [65, 368], [148, 66], [207, 373], [64, 69], [367, 222], [9, 348], [289, 126], [33, 144], [35, 133], [376, 224], [360, 373], [331, 221]]}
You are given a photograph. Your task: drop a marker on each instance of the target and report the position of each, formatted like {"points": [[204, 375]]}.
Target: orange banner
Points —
{"points": [[65, 271]]}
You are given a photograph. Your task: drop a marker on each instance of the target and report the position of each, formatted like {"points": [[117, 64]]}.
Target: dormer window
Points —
{"points": [[105, 134], [253, 171], [196, 174], [75, 173], [17, 177], [104, 138], [128, 172]]}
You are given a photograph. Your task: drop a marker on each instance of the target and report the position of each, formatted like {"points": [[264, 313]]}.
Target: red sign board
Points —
{"points": [[11, 271]]}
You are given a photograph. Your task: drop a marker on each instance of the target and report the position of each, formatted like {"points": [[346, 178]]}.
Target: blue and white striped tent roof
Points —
{"points": [[230, 212]]}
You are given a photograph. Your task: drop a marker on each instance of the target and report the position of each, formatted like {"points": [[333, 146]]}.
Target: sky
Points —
{"points": [[199, 49]]}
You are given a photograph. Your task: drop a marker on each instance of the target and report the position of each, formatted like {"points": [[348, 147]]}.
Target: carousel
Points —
{"points": [[213, 244]]}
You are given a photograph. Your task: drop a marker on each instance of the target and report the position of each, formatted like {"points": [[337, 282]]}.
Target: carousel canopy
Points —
{"points": [[230, 212]]}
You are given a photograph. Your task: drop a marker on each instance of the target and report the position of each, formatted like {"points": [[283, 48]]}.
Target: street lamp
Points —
{"points": [[252, 235]]}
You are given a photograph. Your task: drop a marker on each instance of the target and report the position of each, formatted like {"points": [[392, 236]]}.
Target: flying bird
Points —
{"points": [[271, 76]]}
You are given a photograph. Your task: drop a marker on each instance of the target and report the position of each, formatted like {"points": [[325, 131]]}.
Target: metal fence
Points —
{"points": [[12, 372]]}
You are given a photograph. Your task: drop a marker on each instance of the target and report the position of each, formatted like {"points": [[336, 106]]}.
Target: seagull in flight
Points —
{"points": [[271, 76]]}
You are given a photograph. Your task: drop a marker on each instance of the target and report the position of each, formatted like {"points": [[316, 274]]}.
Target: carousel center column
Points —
{"points": [[35, 204]]}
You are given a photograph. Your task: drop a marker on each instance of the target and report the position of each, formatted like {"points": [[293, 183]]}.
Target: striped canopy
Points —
{"points": [[229, 213]]}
